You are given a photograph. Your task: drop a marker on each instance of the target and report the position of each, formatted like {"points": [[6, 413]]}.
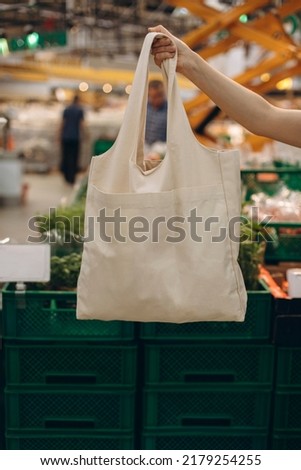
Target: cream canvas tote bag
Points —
{"points": [[160, 244]]}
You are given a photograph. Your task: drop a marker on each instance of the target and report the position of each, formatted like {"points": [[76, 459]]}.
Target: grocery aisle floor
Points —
{"points": [[44, 191]]}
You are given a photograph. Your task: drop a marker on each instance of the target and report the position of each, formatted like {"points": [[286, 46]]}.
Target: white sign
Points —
{"points": [[25, 263], [10, 177]]}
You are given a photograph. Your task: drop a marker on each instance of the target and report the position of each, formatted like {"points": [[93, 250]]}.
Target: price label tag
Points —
{"points": [[25, 263]]}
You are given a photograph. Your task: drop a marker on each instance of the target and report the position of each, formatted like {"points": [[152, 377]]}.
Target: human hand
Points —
{"points": [[165, 48]]}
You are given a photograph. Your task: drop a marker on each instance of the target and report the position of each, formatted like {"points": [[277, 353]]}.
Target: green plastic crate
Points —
{"points": [[57, 364], [289, 367], [287, 415], [287, 441], [69, 410], [288, 247], [207, 408], [192, 440], [288, 174], [208, 364], [39, 315], [102, 145], [60, 441], [2, 424], [257, 324]]}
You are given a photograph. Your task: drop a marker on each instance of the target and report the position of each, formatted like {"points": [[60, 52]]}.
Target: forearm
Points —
{"points": [[242, 105], [239, 103]]}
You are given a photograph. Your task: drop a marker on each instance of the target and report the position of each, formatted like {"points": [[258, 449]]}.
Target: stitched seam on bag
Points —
{"points": [[231, 248]]}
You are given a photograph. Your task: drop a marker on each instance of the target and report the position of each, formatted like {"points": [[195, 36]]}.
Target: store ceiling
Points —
{"points": [[68, 13], [16, 13], [17, 17], [109, 27], [102, 35]]}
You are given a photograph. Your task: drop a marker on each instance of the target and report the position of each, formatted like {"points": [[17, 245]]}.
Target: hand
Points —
{"points": [[166, 47]]}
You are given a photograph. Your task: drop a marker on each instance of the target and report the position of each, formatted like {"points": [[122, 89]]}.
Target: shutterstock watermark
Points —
{"points": [[116, 227]]}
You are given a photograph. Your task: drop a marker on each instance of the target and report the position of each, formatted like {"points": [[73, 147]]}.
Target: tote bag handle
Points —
{"points": [[131, 134]]}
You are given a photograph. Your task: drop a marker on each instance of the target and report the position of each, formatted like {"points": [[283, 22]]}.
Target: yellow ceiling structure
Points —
{"points": [[266, 29], [33, 71]]}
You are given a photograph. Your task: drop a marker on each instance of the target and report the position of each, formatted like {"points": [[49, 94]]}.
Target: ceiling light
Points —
{"points": [[83, 86], [32, 39], [107, 88]]}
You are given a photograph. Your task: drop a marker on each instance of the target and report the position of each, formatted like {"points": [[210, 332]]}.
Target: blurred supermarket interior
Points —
{"points": [[208, 386]]}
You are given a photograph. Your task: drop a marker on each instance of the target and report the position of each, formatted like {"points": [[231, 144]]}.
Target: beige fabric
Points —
{"points": [[155, 279]]}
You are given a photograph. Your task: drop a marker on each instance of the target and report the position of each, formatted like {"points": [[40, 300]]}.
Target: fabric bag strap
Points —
{"points": [[131, 134]]}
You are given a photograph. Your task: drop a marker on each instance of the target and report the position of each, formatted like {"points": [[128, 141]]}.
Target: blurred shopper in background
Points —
{"points": [[156, 121], [71, 134], [156, 117], [6, 139]]}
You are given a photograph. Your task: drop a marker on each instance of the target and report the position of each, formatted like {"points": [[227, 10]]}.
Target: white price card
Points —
{"points": [[25, 263]]}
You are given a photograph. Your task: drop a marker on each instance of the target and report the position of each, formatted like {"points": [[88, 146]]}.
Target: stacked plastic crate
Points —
{"points": [[1, 383], [209, 385], [287, 411], [286, 234], [287, 399], [288, 246], [69, 384]]}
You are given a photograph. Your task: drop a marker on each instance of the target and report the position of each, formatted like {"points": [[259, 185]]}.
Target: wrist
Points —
{"points": [[189, 63]]}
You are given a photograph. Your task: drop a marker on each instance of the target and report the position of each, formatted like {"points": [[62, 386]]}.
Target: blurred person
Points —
{"points": [[156, 117], [242, 105], [156, 124], [71, 134], [6, 138]]}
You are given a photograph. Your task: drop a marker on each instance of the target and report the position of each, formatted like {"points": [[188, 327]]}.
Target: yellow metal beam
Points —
{"points": [[218, 48], [215, 20], [252, 34], [195, 116], [41, 72], [289, 7], [265, 66], [265, 87], [267, 31]]}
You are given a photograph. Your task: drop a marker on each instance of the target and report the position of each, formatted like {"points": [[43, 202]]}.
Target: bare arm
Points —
{"points": [[244, 106]]}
